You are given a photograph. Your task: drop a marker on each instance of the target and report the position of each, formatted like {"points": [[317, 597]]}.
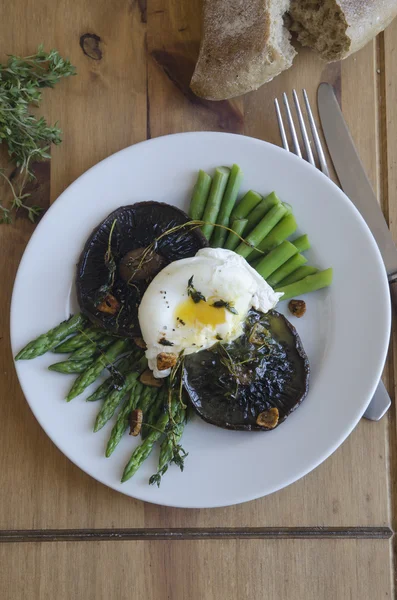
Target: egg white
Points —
{"points": [[218, 274]]}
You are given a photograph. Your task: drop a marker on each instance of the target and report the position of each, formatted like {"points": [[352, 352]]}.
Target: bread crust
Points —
{"points": [[337, 28], [366, 19], [244, 45]]}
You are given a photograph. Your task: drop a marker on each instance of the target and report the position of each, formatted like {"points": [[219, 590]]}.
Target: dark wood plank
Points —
{"points": [[213, 533]]}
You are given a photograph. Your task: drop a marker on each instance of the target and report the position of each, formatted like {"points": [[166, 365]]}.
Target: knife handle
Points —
{"points": [[393, 294], [379, 404]]}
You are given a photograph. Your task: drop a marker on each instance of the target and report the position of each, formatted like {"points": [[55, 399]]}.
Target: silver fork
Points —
{"points": [[381, 400], [309, 154]]}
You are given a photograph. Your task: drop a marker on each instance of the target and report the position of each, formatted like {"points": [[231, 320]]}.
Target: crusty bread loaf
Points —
{"points": [[244, 44], [338, 28]]}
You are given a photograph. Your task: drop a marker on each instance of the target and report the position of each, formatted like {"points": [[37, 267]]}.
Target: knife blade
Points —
{"points": [[356, 185], [352, 176]]}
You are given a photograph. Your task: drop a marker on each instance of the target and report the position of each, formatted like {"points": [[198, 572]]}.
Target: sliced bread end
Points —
{"points": [[337, 28], [244, 45]]}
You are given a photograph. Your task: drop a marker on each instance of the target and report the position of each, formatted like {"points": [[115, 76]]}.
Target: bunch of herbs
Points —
{"points": [[28, 138]]}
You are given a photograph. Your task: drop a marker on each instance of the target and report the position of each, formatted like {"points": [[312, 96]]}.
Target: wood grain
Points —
{"points": [[388, 91], [125, 90], [311, 541], [172, 41], [103, 109], [210, 570], [196, 533]]}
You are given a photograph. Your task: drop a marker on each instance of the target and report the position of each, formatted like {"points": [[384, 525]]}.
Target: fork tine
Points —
{"points": [[302, 125], [281, 125], [317, 142], [295, 142]]}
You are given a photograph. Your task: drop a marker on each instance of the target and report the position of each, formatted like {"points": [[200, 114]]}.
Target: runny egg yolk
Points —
{"points": [[199, 314]]}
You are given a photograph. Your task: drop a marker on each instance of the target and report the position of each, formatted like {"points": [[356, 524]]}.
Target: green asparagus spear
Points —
{"points": [[238, 226], [259, 232], [246, 205], [167, 446], [278, 234], [94, 370], [228, 202], [298, 274], [91, 348], [310, 283], [302, 243], [293, 263], [154, 411], [102, 390], [115, 397], [71, 366], [256, 215], [148, 397], [142, 452], [215, 196], [52, 338], [275, 258], [123, 418], [79, 340], [200, 195], [116, 379], [109, 407]]}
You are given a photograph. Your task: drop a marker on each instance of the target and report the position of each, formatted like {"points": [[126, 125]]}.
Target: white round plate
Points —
{"points": [[345, 331]]}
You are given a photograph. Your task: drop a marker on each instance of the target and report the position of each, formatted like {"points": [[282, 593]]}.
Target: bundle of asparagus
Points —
{"points": [[258, 230], [92, 351]]}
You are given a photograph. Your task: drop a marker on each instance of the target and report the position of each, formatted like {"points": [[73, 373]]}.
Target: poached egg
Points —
{"points": [[195, 302]]}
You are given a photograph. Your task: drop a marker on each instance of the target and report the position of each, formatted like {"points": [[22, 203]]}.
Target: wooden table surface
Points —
{"points": [[328, 536]]}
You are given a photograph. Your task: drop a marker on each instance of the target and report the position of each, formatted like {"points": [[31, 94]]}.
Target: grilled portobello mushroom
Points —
{"points": [[253, 383], [123, 254]]}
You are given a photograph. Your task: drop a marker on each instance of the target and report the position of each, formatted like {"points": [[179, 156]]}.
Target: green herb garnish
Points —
{"points": [[109, 258], [194, 294], [110, 264], [28, 138], [223, 304], [171, 450]]}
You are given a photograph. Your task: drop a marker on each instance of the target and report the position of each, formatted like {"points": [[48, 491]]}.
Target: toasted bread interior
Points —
{"points": [[279, 36], [321, 25]]}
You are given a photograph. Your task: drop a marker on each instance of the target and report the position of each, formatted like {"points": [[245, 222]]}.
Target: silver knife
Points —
{"points": [[357, 187]]}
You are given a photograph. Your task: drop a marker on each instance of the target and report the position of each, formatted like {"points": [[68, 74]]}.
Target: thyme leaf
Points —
{"points": [[194, 294], [223, 304]]}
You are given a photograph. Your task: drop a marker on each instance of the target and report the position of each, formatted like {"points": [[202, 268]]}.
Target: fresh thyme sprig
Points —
{"points": [[190, 226], [171, 450], [27, 137], [110, 264]]}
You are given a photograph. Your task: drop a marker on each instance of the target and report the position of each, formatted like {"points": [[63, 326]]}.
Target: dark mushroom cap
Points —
{"points": [[129, 228], [232, 388]]}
